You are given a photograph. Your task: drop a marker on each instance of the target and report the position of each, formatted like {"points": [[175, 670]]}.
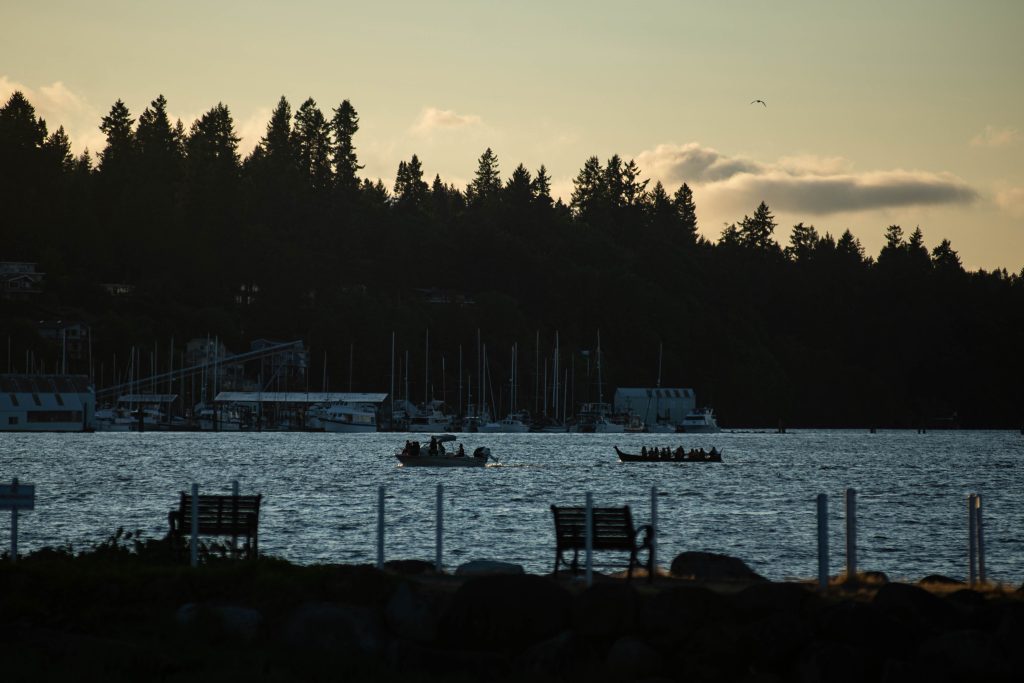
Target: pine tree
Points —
{"points": [[518, 191], [541, 187], [344, 125], [487, 183], [755, 232], [57, 149], [686, 212], [312, 144], [803, 242], [633, 189], [120, 149], [588, 189], [410, 188]]}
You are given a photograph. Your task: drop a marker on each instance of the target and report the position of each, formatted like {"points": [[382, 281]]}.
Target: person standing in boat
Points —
{"points": [[433, 446]]}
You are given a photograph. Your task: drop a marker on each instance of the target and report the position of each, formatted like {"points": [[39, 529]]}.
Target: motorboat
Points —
{"points": [[515, 423], [347, 417], [699, 422], [437, 454], [430, 418]]}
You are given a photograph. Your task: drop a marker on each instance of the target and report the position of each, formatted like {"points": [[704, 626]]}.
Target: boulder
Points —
{"points": [[565, 656], [828, 662], [764, 598], [240, 622], [865, 627], [712, 567], [680, 610], [630, 658], [488, 568], [939, 579], [773, 641], [420, 660], [913, 605], [606, 609], [414, 614], [964, 655], [343, 629], [506, 612], [410, 567]]}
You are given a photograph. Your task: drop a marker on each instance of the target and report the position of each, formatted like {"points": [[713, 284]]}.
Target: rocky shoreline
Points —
{"points": [[132, 617]]}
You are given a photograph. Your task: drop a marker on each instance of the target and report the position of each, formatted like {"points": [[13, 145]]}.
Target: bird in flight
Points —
{"points": [[761, 101]]}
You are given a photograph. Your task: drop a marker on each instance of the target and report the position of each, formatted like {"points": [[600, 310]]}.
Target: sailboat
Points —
{"points": [[516, 422]]}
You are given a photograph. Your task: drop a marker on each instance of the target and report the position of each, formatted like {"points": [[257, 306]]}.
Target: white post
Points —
{"points": [[654, 532], [439, 540], [589, 535], [980, 532], [234, 539], [851, 534], [972, 538], [14, 534], [194, 545], [380, 527], [822, 541]]}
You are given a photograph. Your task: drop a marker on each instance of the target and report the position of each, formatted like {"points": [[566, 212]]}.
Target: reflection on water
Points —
{"points": [[320, 493]]}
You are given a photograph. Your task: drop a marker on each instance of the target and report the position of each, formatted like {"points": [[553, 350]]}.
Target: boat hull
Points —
{"points": [[441, 461], [631, 457]]}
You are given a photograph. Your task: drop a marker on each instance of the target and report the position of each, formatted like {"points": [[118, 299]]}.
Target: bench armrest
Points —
{"points": [[648, 531]]}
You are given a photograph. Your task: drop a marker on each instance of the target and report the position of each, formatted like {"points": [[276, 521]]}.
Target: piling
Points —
{"points": [[380, 527], [654, 533], [851, 534], [972, 542], [439, 540], [194, 543], [589, 535], [234, 510], [980, 531], [822, 541]]}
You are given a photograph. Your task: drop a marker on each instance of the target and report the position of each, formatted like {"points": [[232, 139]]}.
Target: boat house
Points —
{"points": [[654, 404], [47, 403]]}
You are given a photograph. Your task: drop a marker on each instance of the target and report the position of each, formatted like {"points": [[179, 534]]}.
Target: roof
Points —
{"points": [[147, 398], [298, 397], [655, 392], [71, 384]]}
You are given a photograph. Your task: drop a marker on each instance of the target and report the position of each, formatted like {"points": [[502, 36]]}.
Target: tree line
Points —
{"points": [[291, 241]]}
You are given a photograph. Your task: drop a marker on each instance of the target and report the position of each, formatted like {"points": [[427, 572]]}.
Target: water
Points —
{"points": [[320, 493]]}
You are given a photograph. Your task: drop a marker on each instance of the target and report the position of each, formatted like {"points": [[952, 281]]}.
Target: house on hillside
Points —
{"points": [[19, 280]]}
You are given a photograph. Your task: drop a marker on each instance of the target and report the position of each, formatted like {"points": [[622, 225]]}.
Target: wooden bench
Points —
{"points": [[612, 530], [235, 516]]}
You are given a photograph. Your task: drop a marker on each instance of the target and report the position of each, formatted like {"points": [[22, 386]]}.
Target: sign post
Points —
{"points": [[14, 497]]}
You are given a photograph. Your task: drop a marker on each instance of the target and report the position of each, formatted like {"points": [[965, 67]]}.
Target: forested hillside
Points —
{"points": [[291, 242]]}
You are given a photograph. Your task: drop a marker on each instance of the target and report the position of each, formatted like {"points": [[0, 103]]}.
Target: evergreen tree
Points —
{"points": [[311, 140], [344, 125], [588, 189], [276, 146], [614, 187], [541, 187], [945, 259], [850, 248], [519, 189], [120, 148], [755, 232], [57, 149], [633, 189], [661, 210], [686, 211], [487, 183], [158, 143], [410, 188], [803, 242]]}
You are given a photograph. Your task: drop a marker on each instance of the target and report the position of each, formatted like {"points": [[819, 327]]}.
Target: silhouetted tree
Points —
{"points": [[312, 143], [344, 126]]}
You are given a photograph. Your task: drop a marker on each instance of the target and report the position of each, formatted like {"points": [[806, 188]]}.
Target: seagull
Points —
{"points": [[761, 101]]}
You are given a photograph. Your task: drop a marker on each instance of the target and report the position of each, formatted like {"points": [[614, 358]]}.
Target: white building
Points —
{"points": [[652, 404], [47, 403]]}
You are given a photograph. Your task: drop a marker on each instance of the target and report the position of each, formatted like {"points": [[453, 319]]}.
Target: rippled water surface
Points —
{"points": [[320, 493]]}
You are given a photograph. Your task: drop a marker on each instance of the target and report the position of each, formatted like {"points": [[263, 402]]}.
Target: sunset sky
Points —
{"points": [[877, 112]]}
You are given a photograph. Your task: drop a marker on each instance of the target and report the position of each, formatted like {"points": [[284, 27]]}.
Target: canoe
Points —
{"points": [[687, 457]]}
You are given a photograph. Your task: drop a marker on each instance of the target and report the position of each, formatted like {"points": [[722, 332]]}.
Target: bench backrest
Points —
{"points": [[612, 528], [221, 515]]}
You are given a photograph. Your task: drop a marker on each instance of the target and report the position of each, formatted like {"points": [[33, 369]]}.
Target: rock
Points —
{"points": [[417, 660], [773, 642], [488, 568], [410, 567], [630, 658], [964, 655], [506, 612], [681, 610], [712, 567], [865, 627], [874, 577], [765, 598], [606, 609], [240, 622], [343, 629], [827, 662], [913, 605], [414, 614], [941, 580], [566, 656]]}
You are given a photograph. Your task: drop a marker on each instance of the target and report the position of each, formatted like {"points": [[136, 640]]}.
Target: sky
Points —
{"points": [[877, 113]]}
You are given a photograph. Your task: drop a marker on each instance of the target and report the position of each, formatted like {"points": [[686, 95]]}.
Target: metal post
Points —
{"points": [[380, 527], [589, 535], [14, 534], [980, 532], [234, 515], [438, 544], [654, 533], [851, 534], [194, 545], [822, 541], [972, 547]]}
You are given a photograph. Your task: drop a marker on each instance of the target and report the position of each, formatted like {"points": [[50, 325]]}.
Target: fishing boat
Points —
{"points": [[678, 455], [416, 455]]}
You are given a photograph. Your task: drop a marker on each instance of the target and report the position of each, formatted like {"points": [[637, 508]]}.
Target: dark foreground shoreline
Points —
{"points": [[121, 615]]}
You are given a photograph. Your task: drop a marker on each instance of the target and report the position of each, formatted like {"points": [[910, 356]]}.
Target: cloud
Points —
{"points": [[59, 106], [806, 184], [432, 119], [1011, 200], [996, 137]]}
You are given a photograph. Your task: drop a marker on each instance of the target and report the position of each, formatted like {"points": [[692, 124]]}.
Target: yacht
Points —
{"points": [[348, 417], [699, 422], [432, 417], [515, 423], [596, 418]]}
